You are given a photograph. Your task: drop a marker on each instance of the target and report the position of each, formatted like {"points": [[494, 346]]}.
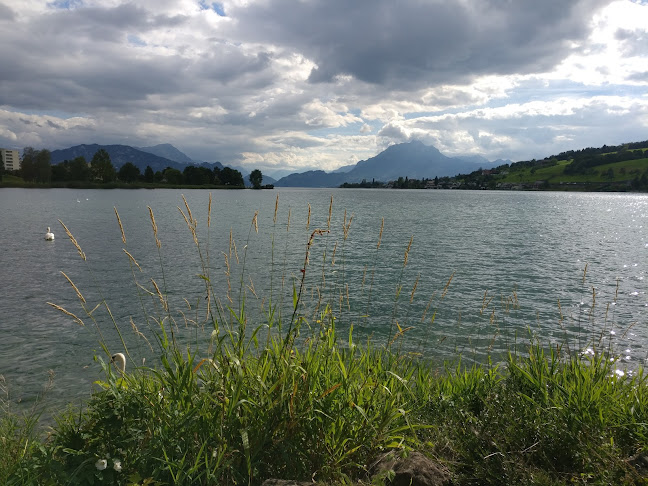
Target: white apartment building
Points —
{"points": [[10, 159]]}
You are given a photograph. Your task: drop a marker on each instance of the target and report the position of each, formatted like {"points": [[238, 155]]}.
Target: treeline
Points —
{"points": [[363, 185], [605, 149], [36, 167], [402, 183], [407, 183], [582, 162]]}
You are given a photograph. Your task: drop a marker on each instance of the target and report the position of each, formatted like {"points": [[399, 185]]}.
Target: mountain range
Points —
{"points": [[158, 157], [120, 154], [413, 160]]}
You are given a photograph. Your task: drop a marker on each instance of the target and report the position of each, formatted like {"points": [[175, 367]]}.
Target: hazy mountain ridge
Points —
{"points": [[158, 157], [168, 151], [414, 160], [140, 157], [119, 155], [312, 178]]}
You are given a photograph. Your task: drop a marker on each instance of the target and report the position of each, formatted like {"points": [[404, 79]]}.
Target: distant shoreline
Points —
{"points": [[111, 185]]}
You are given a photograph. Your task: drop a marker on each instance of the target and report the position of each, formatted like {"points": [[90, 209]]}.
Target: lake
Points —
{"points": [[562, 267]]}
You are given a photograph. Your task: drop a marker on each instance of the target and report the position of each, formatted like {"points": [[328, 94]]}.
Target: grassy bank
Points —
{"points": [[293, 394]]}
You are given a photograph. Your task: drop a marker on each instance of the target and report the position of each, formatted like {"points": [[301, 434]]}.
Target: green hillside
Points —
{"points": [[621, 172], [622, 168]]}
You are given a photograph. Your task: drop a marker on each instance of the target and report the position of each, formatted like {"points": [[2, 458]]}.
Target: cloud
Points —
{"points": [[293, 85], [421, 43], [509, 131], [7, 15]]}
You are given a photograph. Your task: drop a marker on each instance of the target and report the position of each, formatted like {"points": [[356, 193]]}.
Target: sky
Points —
{"points": [[292, 85]]}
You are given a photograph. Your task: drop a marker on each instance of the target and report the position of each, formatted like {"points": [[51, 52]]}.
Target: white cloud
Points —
{"points": [[289, 85]]}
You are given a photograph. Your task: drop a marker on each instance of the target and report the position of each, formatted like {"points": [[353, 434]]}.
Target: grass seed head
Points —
{"points": [[67, 313], [121, 227], [132, 259], [409, 245], [330, 213], [209, 210], [255, 222], [308, 218], [73, 240], [155, 228], [76, 289]]}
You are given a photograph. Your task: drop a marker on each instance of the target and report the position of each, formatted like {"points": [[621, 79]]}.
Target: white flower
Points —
{"points": [[101, 464], [117, 465]]}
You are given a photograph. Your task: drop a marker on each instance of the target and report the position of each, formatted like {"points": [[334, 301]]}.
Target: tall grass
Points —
{"points": [[286, 391]]}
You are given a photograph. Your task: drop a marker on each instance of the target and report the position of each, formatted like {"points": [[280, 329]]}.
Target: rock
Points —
{"points": [[413, 470], [640, 464], [285, 482]]}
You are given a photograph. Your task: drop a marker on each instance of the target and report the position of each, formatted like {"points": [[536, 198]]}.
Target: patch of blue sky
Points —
{"points": [[135, 40], [539, 90], [63, 115], [215, 6], [65, 4], [352, 129]]}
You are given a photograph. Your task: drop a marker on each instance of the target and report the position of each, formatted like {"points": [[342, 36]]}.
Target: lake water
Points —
{"points": [[517, 261]]}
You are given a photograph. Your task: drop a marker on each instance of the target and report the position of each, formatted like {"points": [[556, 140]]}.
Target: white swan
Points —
{"points": [[120, 361], [49, 236]]}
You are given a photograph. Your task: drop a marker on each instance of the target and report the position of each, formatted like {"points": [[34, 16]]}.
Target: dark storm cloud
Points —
{"points": [[411, 42], [6, 14], [227, 63], [105, 24]]}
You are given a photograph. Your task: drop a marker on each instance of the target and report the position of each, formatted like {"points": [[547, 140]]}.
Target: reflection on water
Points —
{"points": [[559, 266]]}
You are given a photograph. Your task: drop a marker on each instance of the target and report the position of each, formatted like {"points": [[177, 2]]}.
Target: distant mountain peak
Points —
{"points": [[168, 151], [412, 159]]}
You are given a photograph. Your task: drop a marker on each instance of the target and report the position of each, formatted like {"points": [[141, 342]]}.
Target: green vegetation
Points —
{"points": [[364, 184], [290, 393], [619, 168], [256, 178], [37, 171]]}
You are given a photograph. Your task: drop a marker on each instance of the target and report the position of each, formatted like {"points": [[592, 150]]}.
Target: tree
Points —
{"points": [[36, 165], [149, 175], [216, 176], [256, 178], [173, 176], [129, 172], [28, 164], [102, 168], [61, 172], [79, 170], [231, 177], [43, 167], [197, 176]]}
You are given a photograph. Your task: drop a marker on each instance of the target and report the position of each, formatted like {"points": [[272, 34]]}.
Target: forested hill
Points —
{"points": [[119, 155], [579, 161], [607, 168]]}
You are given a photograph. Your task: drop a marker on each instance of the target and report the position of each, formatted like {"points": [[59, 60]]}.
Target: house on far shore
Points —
{"points": [[10, 159]]}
